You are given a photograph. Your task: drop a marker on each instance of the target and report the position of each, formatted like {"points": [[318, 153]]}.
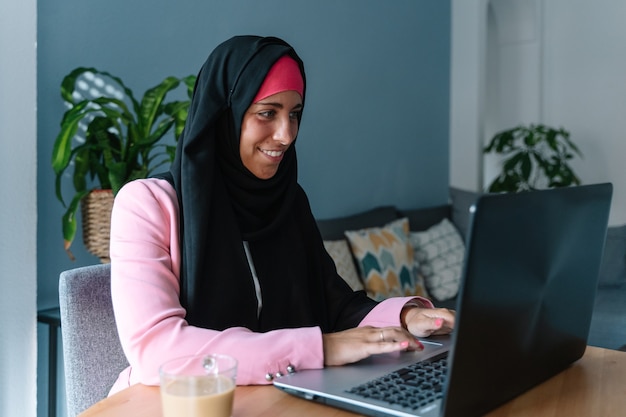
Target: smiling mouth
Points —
{"points": [[273, 154]]}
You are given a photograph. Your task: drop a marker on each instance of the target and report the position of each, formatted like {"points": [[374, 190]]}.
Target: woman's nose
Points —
{"points": [[285, 132]]}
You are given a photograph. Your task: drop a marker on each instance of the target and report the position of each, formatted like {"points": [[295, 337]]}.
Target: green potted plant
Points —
{"points": [[111, 138], [535, 156]]}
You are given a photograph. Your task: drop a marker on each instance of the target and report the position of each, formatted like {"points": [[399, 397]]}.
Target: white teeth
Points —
{"points": [[272, 153]]}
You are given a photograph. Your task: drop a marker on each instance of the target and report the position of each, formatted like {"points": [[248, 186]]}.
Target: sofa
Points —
{"points": [[434, 240]]}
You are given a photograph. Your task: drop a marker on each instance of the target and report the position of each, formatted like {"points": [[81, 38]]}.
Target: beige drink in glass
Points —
{"points": [[198, 386]]}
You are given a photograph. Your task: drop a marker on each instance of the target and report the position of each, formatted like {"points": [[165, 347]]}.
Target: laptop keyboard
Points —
{"points": [[411, 387]]}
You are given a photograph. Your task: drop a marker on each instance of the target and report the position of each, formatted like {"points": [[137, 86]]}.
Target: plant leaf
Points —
{"points": [[151, 104], [526, 166], [190, 82], [62, 147], [68, 84], [179, 110], [118, 175], [160, 131], [69, 222]]}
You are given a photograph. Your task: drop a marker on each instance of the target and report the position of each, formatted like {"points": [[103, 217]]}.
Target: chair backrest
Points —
{"points": [[92, 353]]}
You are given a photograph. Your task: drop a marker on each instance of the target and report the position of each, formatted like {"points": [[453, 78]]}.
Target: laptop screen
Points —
{"points": [[526, 301]]}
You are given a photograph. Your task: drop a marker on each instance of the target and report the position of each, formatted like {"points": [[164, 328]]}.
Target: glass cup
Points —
{"points": [[198, 386]]}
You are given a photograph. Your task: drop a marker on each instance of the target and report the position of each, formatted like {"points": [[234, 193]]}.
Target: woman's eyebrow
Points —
{"points": [[279, 105]]}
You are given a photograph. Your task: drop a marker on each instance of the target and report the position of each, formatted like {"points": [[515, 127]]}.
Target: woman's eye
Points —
{"points": [[267, 113], [294, 115]]}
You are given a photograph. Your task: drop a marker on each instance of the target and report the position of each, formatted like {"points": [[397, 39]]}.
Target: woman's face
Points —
{"points": [[269, 127]]}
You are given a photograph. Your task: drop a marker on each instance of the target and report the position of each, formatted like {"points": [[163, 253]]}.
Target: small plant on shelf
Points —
{"points": [[534, 156]]}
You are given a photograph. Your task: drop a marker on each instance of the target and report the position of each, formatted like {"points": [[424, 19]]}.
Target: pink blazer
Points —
{"points": [[145, 255]]}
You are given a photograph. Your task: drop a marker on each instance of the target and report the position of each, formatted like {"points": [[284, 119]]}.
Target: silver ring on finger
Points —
{"points": [[382, 336]]}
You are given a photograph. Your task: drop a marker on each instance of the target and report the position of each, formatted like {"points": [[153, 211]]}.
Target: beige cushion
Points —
{"points": [[340, 252]]}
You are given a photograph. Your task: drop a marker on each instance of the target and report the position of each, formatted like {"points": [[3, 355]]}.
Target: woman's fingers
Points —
{"points": [[394, 334], [424, 322], [355, 344]]}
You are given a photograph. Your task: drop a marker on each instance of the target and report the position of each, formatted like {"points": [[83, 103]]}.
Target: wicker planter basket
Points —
{"points": [[96, 212]]}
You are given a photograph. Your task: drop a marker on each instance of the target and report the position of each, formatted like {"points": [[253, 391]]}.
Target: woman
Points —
{"points": [[222, 254]]}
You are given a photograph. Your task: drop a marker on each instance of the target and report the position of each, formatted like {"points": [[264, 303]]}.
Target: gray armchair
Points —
{"points": [[92, 352]]}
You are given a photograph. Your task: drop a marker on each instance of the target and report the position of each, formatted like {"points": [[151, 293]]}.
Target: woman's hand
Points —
{"points": [[355, 344], [424, 322]]}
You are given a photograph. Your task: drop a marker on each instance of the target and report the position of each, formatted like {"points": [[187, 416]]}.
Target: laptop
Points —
{"points": [[523, 313]]}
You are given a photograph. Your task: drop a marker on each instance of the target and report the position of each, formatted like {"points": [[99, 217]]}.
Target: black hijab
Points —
{"points": [[222, 204]]}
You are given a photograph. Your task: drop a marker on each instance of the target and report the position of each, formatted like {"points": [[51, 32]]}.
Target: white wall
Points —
{"points": [[467, 91], [559, 62], [18, 212]]}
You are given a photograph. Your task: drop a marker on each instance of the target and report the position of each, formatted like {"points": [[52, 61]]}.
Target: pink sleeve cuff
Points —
{"points": [[387, 312]]}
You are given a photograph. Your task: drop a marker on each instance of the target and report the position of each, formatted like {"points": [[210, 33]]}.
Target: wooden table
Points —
{"points": [[593, 386]]}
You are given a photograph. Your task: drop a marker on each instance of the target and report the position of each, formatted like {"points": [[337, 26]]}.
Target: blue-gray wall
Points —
{"points": [[375, 130]]}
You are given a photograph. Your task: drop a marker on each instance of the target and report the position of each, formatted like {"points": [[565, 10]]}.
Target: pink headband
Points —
{"points": [[283, 76]]}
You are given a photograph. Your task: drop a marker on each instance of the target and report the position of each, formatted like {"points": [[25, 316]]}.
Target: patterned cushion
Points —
{"points": [[340, 252], [385, 260], [439, 252]]}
